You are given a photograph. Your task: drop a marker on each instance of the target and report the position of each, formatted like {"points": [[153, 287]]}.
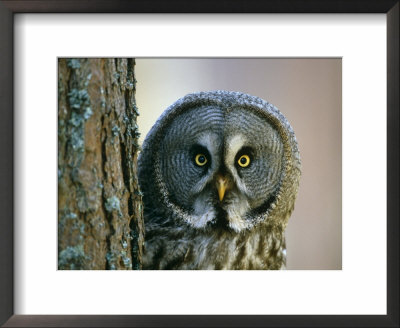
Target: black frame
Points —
{"points": [[9, 7]]}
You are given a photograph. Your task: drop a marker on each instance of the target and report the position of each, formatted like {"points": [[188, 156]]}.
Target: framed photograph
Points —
{"points": [[332, 71], [306, 235]]}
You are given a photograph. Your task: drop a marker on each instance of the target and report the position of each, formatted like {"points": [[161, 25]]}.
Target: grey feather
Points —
{"points": [[187, 225]]}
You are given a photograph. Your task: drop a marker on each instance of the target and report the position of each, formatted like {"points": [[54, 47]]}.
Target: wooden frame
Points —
{"points": [[9, 8]]}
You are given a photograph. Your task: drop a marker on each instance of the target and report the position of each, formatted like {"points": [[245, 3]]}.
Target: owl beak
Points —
{"points": [[221, 186]]}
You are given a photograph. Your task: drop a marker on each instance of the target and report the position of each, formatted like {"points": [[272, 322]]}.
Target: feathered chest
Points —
{"points": [[173, 248]]}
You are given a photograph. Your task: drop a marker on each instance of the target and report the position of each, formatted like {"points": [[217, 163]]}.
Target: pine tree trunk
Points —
{"points": [[100, 223]]}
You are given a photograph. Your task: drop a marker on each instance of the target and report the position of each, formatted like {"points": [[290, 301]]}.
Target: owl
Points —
{"points": [[219, 172]]}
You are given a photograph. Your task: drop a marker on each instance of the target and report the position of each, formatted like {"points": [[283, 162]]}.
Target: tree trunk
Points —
{"points": [[100, 223]]}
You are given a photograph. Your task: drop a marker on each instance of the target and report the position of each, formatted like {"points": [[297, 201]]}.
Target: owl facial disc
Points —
{"points": [[220, 155]]}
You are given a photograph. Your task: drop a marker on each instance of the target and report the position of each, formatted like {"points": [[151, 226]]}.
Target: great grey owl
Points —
{"points": [[219, 172]]}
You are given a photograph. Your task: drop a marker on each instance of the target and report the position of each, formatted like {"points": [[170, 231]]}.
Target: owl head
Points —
{"points": [[220, 160]]}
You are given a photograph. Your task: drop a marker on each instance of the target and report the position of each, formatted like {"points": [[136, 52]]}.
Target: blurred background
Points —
{"points": [[309, 93]]}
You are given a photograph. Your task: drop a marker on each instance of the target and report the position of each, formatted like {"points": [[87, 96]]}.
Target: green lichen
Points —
{"points": [[73, 63], [88, 79], [82, 229], [122, 256], [87, 113], [126, 260], [79, 102], [124, 244], [129, 85], [76, 119], [78, 98], [77, 143], [72, 257], [70, 216], [111, 259], [132, 130], [113, 204], [115, 130], [135, 109], [138, 192]]}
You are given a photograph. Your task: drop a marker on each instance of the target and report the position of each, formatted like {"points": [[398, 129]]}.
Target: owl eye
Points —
{"points": [[200, 160], [244, 161]]}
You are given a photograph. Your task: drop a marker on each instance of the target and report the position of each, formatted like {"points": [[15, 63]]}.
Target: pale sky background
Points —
{"points": [[309, 93]]}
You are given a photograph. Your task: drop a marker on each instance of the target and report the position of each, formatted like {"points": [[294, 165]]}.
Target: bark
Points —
{"points": [[100, 222]]}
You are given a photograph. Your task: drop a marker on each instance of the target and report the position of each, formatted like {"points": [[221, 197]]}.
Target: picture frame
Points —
{"points": [[9, 8]]}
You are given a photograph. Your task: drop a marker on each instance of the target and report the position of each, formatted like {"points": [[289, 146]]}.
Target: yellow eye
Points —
{"points": [[244, 160], [200, 159]]}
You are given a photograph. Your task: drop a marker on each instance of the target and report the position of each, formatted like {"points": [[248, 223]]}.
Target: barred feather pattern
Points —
{"points": [[172, 247], [187, 227]]}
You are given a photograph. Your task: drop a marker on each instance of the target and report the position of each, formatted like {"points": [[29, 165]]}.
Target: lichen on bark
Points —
{"points": [[100, 223]]}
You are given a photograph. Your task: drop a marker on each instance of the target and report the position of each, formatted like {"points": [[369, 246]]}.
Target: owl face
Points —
{"points": [[219, 173], [220, 166]]}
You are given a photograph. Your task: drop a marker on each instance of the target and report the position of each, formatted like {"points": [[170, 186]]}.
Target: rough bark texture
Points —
{"points": [[100, 224]]}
